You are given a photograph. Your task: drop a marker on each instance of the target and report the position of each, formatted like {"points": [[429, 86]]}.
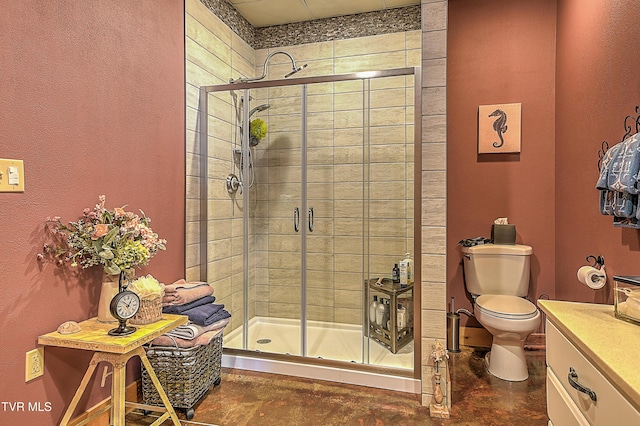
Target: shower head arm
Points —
{"points": [[294, 68]]}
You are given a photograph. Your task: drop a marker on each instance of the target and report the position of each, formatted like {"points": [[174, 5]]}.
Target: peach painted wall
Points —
{"points": [[597, 87], [501, 51], [571, 65], [92, 99]]}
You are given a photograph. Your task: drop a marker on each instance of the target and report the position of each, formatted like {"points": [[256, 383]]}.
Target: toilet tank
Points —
{"points": [[497, 269]]}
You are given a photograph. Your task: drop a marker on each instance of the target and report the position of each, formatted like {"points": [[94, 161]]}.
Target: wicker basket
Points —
{"points": [[150, 310], [184, 373]]}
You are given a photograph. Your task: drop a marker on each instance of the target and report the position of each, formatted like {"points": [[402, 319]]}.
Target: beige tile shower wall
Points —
{"points": [[336, 153], [434, 140], [213, 55]]}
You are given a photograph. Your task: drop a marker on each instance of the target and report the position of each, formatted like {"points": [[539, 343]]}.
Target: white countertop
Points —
{"points": [[610, 344]]}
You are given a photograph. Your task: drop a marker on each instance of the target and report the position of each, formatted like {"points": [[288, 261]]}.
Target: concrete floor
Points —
{"points": [[251, 398]]}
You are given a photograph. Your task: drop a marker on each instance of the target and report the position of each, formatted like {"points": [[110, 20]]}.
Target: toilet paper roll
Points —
{"points": [[592, 277]]}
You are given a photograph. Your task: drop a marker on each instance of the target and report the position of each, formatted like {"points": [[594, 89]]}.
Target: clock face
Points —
{"points": [[125, 305]]}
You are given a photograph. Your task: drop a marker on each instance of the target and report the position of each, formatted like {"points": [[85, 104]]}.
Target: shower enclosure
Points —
{"points": [[295, 221]]}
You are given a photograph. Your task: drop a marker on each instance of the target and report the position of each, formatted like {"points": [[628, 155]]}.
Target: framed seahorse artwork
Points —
{"points": [[499, 128]]}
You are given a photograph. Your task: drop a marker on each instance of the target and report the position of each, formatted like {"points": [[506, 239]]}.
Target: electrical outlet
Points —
{"points": [[34, 366]]}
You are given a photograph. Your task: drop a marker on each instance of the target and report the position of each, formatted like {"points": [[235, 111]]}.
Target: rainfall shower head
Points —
{"points": [[259, 108], [295, 70]]}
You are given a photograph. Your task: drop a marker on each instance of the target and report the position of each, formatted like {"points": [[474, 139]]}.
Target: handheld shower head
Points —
{"points": [[295, 70], [259, 108]]}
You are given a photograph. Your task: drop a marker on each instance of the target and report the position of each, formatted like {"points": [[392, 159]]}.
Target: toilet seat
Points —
{"points": [[507, 307]]}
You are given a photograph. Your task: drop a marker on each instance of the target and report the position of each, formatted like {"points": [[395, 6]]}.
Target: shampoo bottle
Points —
{"points": [[372, 309], [406, 271], [380, 312], [395, 274], [402, 317], [386, 313]]}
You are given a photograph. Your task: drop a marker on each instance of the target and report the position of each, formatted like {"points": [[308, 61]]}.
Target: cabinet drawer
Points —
{"points": [[609, 404], [560, 407]]}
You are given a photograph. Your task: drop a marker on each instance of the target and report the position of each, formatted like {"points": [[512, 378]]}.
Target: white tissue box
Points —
{"points": [[627, 298]]}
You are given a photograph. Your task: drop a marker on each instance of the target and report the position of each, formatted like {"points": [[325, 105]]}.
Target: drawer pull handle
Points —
{"points": [[573, 381]]}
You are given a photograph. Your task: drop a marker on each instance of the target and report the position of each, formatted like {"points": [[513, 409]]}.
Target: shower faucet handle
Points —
{"points": [[233, 184]]}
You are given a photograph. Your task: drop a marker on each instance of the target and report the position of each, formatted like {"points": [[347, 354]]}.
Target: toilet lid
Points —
{"points": [[506, 306]]}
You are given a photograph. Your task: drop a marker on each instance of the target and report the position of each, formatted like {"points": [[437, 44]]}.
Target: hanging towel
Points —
{"points": [[618, 182], [608, 161], [181, 309], [626, 222], [618, 204], [623, 173]]}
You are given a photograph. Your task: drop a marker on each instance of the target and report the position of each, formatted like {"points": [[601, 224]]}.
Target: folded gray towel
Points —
{"points": [[190, 330]]}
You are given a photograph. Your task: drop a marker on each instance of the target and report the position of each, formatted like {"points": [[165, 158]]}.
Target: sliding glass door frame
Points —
{"points": [[304, 219]]}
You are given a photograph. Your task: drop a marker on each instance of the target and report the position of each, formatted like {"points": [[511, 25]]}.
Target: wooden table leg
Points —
{"points": [[165, 399], [118, 386], [83, 386]]}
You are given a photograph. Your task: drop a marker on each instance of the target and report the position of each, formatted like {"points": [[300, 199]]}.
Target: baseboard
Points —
{"points": [[475, 337], [481, 338], [131, 394], [536, 342]]}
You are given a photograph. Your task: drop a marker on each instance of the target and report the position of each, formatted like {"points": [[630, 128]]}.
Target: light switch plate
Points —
{"points": [[11, 175]]}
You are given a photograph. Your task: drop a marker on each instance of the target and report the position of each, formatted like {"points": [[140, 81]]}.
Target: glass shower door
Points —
{"points": [[329, 205], [279, 219], [334, 192]]}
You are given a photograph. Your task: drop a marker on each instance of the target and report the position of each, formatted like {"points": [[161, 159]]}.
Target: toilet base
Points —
{"points": [[507, 360]]}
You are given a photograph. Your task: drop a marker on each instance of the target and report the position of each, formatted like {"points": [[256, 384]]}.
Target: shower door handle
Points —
{"points": [[296, 219], [310, 219]]}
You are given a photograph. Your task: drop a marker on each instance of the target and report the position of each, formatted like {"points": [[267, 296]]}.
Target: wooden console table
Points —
{"points": [[117, 351]]}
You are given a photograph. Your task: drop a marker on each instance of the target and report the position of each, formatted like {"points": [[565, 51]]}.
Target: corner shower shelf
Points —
{"points": [[392, 338]]}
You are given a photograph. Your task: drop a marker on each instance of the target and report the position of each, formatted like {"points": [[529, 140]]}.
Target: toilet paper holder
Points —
{"points": [[598, 262]]}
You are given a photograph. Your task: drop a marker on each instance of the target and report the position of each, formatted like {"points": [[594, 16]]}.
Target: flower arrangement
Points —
{"points": [[117, 239]]}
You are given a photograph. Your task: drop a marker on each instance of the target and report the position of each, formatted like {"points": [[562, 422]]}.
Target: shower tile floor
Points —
{"points": [[331, 341]]}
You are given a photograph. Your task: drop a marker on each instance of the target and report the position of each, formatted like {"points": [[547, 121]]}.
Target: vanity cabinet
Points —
{"points": [[588, 364], [589, 397]]}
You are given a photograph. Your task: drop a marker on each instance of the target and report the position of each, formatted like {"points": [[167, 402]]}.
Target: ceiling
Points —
{"points": [[264, 13]]}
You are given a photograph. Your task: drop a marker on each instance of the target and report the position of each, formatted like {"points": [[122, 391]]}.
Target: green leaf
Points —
{"points": [[111, 235], [106, 254]]}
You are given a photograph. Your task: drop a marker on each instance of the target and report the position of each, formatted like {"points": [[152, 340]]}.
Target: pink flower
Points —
{"points": [[101, 231]]}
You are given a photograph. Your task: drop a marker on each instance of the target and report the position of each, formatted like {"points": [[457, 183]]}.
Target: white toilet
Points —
{"points": [[497, 276]]}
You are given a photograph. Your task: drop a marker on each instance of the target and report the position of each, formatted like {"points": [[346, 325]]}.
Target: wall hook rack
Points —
{"points": [[598, 262], [601, 152], [631, 126]]}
